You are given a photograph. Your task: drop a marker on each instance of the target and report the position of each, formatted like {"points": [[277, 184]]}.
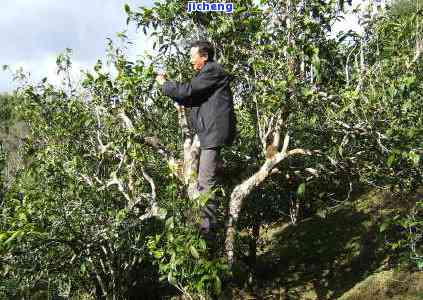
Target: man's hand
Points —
{"points": [[161, 78]]}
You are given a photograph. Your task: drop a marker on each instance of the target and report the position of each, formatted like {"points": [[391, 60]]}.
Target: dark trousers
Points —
{"points": [[206, 182]]}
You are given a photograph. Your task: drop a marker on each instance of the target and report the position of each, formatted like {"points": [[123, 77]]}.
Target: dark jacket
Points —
{"points": [[210, 98]]}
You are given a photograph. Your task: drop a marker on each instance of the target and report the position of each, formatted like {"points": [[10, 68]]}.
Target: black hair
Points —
{"points": [[204, 47]]}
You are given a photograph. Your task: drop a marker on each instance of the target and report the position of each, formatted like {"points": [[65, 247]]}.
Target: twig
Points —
{"points": [[153, 187]]}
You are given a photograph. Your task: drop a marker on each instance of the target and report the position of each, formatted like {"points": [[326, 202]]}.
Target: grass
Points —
{"points": [[340, 256], [388, 284]]}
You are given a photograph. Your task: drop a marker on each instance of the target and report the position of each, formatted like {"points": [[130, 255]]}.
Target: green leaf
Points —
{"points": [[127, 9], [83, 268], [158, 254], [12, 237], [306, 91], [217, 285], [98, 65], [121, 215], [414, 157], [170, 278], [3, 236], [121, 35], [301, 189], [170, 237], [383, 227], [391, 159], [203, 245], [194, 252], [395, 245], [161, 213], [169, 224]]}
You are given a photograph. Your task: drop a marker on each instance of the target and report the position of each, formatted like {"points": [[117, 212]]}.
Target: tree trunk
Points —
{"points": [[252, 255], [242, 190]]}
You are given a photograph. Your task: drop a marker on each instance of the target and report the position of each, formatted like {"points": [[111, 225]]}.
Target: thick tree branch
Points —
{"points": [[150, 180], [242, 190], [183, 121], [191, 161]]}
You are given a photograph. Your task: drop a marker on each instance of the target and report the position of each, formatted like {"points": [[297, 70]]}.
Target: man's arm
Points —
{"points": [[193, 92]]}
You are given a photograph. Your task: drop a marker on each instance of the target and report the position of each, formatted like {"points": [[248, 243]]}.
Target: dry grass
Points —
{"points": [[388, 285]]}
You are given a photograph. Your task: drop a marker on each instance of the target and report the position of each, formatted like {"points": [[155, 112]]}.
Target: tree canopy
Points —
{"points": [[103, 201]]}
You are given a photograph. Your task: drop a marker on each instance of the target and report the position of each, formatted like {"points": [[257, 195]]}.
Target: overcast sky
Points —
{"points": [[35, 31]]}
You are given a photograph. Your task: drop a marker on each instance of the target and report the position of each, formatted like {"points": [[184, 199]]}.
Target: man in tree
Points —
{"points": [[209, 96]]}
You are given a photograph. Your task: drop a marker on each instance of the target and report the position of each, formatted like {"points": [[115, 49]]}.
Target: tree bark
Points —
{"points": [[242, 190]]}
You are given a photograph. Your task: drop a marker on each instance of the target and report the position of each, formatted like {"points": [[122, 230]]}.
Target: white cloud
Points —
{"points": [[36, 31], [349, 22], [351, 19]]}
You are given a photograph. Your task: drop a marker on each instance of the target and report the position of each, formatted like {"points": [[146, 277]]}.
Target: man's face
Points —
{"points": [[197, 60]]}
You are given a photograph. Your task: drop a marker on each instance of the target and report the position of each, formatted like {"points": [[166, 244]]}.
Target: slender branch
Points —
{"points": [[99, 280], [277, 134], [101, 147], [183, 121], [114, 180], [154, 142], [346, 65], [153, 187], [285, 143], [131, 187], [126, 121]]}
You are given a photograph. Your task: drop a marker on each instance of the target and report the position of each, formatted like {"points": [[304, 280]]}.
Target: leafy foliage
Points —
{"points": [[97, 210]]}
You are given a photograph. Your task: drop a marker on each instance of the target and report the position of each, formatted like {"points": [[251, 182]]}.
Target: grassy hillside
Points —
{"points": [[339, 255]]}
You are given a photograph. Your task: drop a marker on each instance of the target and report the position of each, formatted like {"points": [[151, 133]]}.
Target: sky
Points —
{"points": [[35, 31]]}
